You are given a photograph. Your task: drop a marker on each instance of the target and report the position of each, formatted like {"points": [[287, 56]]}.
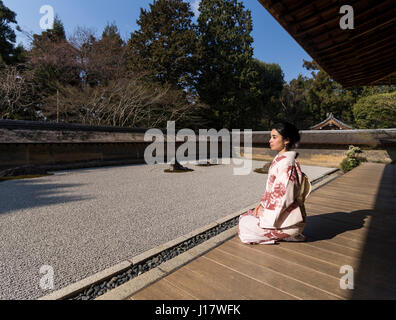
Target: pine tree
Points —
{"points": [[111, 32], [53, 59], [164, 46], [226, 74], [107, 59], [7, 34], [55, 34]]}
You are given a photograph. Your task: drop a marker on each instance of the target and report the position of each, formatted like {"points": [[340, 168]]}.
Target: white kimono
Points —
{"points": [[278, 215]]}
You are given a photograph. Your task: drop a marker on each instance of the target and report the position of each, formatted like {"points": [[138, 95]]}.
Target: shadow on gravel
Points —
{"points": [[32, 193]]}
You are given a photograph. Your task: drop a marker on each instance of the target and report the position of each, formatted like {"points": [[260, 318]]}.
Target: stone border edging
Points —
{"points": [[108, 273], [147, 278]]}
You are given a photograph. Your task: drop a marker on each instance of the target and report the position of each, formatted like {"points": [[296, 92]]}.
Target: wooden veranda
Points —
{"points": [[350, 226]]}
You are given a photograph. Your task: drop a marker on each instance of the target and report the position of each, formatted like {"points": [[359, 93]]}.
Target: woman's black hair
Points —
{"points": [[288, 131]]}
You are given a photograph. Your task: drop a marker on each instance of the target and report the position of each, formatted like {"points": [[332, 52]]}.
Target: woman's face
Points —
{"points": [[277, 143]]}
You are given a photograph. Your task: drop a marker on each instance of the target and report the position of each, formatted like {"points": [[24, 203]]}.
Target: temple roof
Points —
{"points": [[330, 122]]}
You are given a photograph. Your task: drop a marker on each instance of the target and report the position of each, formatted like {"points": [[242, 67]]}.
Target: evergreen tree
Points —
{"points": [[7, 34], [226, 75], [111, 32], [376, 111], [164, 45], [294, 104], [371, 90], [55, 34], [107, 57], [307, 101], [326, 95], [53, 59], [269, 85], [58, 30]]}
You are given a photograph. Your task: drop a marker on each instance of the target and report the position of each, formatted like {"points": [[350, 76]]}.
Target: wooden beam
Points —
{"points": [[307, 47], [297, 8], [389, 17], [362, 76], [385, 59], [356, 59], [390, 21], [297, 26], [382, 41], [347, 73], [391, 74], [386, 81], [384, 6], [380, 57], [373, 74], [332, 39], [387, 23], [365, 77], [365, 58]]}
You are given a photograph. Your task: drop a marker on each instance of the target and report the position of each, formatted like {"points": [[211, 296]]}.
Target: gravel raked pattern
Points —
{"points": [[83, 221], [101, 288]]}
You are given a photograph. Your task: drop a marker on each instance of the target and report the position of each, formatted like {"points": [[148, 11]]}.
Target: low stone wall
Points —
{"points": [[13, 131], [328, 147], [377, 138], [23, 142], [17, 154], [326, 157]]}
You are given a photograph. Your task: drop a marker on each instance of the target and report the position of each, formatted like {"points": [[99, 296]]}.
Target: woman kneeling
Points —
{"points": [[279, 216]]}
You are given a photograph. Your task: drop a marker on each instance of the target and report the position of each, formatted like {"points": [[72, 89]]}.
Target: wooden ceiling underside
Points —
{"points": [[365, 55]]}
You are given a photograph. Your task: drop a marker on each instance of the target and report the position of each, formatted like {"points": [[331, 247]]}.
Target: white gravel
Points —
{"points": [[83, 221]]}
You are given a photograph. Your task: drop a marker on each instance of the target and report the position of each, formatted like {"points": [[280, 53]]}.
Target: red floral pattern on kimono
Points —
{"points": [[281, 193], [292, 172], [278, 215], [277, 159]]}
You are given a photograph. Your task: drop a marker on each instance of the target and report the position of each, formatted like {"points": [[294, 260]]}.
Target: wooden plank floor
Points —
{"points": [[351, 222]]}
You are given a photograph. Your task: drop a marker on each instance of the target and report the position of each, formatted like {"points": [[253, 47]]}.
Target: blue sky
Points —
{"points": [[272, 44]]}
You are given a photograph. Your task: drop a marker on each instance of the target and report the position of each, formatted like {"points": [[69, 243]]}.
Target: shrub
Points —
{"points": [[352, 160]]}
